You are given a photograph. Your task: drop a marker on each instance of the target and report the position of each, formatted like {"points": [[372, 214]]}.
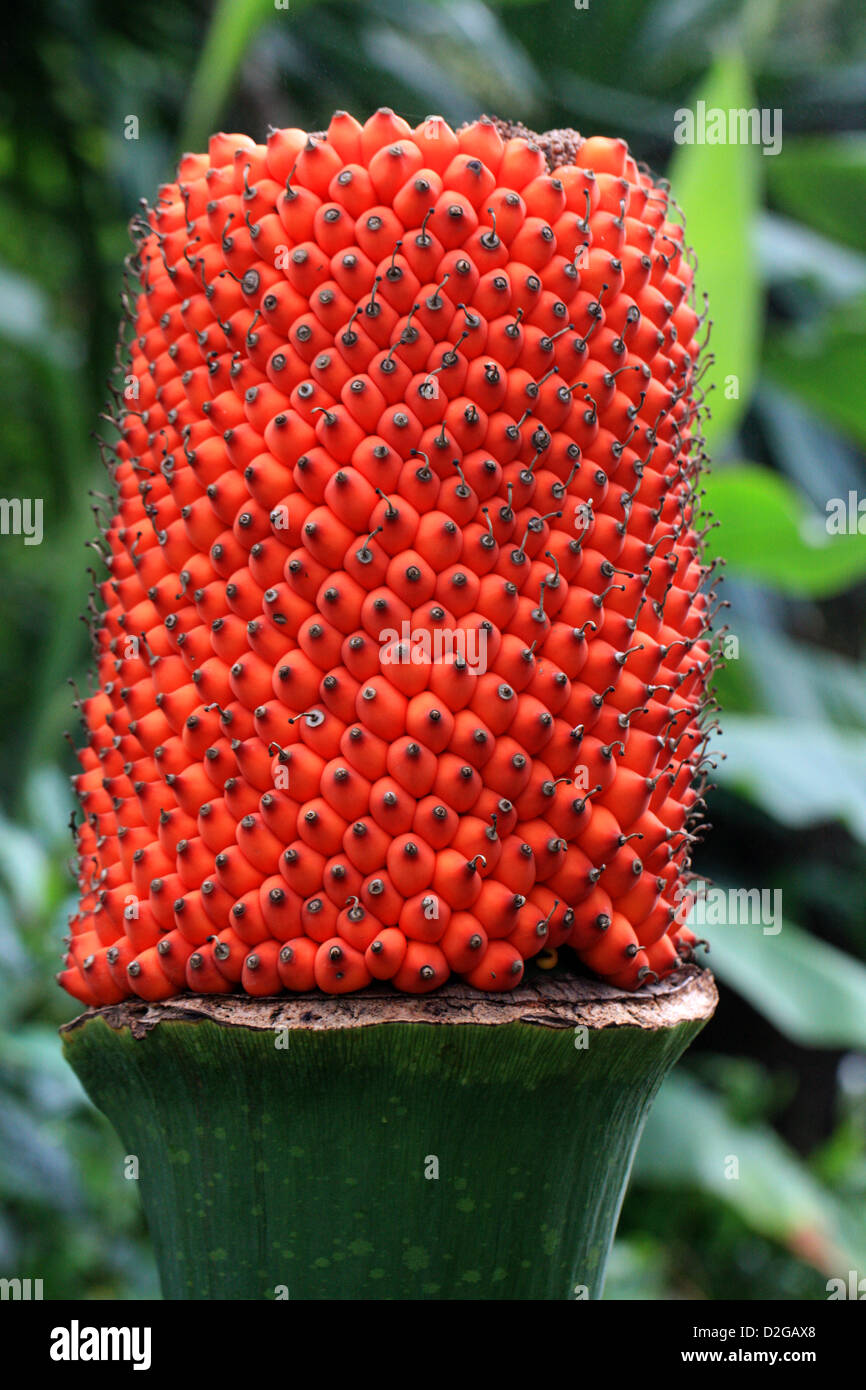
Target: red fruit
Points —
{"points": [[296, 964], [340, 968], [260, 973], [394, 679], [202, 975], [500, 968], [464, 942], [147, 978], [423, 968], [385, 954]]}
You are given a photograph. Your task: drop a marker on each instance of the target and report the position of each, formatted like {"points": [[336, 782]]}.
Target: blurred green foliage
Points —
{"points": [[778, 1081]]}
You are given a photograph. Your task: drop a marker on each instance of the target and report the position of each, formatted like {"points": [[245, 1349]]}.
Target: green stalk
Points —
{"points": [[380, 1146]]}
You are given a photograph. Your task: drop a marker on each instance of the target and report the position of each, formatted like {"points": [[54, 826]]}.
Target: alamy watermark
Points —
{"points": [[77, 1343], [415, 646], [22, 516], [853, 1287], [20, 1289], [737, 126], [706, 905], [846, 516]]}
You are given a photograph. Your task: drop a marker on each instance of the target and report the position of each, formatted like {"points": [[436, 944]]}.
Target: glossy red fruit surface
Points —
{"points": [[404, 648]]}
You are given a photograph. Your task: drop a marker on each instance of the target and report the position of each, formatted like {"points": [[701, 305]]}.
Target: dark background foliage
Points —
{"points": [[778, 1080]]}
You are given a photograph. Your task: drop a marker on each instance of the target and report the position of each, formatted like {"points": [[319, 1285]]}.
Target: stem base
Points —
{"points": [[381, 1146]]}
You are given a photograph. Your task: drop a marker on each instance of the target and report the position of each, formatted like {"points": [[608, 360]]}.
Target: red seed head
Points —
{"points": [[404, 649]]}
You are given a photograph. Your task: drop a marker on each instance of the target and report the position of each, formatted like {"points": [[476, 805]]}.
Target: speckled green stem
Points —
{"points": [[381, 1147]]}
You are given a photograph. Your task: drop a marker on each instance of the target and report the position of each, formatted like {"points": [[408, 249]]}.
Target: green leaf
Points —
{"points": [[235, 23], [822, 181], [767, 534], [795, 436], [635, 1270], [32, 1164], [789, 251], [795, 680], [800, 770], [26, 320], [691, 1142], [811, 992], [46, 803], [24, 868], [717, 188], [825, 366]]}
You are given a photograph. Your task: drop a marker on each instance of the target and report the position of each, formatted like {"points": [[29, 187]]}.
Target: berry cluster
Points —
{"points": [[404, 649]]}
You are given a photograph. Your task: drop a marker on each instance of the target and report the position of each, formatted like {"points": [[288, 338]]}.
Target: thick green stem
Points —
{"points": [[382, 1146]]}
